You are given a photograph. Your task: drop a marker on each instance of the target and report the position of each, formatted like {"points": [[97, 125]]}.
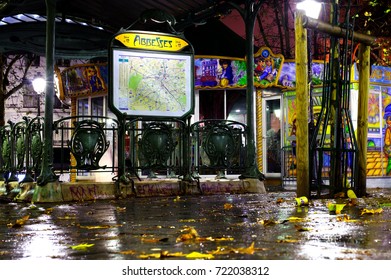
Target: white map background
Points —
{"points": [[152, 84]]}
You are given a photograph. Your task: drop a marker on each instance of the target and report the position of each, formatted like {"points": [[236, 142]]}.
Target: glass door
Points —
{"points": [[272, 136]]}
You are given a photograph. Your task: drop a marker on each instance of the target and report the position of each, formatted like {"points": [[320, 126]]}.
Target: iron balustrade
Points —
{"points": [[153, 148], [218, 147], [92, 143]]}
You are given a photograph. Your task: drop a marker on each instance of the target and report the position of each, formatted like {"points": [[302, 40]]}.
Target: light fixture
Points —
{"points": [[310, 7], [39, 85]]}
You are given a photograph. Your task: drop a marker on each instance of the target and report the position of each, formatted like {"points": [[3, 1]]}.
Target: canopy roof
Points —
{"points": [[84, 27]]}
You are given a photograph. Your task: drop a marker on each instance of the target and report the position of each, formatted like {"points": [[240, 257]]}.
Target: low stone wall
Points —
{"points": [[87, 191]]}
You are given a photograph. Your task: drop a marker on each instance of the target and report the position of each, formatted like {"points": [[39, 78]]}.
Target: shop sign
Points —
{"points": [[154, 42]]}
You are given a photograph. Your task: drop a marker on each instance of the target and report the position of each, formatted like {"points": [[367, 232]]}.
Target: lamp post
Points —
{"points": [[39, 85], [303, 96], [310, 7]]}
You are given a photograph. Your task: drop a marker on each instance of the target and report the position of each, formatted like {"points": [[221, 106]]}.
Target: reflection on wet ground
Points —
{"points": [[245, 226]]}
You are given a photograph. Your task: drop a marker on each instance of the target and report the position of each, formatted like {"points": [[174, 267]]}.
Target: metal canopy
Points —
{"points": [[84, 28]]}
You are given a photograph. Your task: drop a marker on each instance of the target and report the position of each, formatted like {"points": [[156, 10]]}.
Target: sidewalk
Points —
{"points": [[222, 226]]}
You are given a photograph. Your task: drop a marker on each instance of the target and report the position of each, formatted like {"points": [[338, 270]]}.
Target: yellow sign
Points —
{"points": [[154, 42]]}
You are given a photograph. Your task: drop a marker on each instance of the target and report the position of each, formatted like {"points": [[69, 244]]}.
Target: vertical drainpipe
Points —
{"points": [[47, 175]]}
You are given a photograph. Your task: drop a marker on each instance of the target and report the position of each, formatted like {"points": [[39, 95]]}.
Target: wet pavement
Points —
{"points": [[243, 226]]}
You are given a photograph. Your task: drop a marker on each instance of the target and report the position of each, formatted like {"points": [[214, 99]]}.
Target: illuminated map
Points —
{"points": [[152, 84]]}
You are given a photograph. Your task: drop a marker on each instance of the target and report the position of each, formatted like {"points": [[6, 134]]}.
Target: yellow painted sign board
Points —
{"points": [[155, 42]]}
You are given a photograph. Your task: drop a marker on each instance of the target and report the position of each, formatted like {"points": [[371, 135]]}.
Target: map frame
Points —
{"points": [[117, 100]]}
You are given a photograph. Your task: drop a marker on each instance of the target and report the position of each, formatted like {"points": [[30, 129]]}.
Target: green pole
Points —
{"points": [[47, 175], [249, 15]]}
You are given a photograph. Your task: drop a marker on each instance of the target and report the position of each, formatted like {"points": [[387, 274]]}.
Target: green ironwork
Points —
{"points": [[219, 146], [89, 139], [156, 145], [88, 144], [33, 145], [5, 146], [12, 147], [334, 138], [36, 149]]}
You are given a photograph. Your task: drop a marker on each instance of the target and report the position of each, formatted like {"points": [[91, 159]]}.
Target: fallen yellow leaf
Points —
{"points": [[249, 250], [185, 237], [161, 255], [128, 252], [222, 251], [196, 255], [82, 246], [94, 227], [99, 226], [153, 240], [287, 241], [228, 206], [337, 207], [121, 209], [371, 211], [19, 222], [148, 256], [267, 222], [191, 234], [188, 221], [343, 218], [67, 217], [166, 254], [300, 228], [295, 219], [351, 194]]}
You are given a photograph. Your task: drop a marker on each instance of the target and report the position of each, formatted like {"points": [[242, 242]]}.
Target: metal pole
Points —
{"points": [[39, 104], [249, 16], [47, 175]]}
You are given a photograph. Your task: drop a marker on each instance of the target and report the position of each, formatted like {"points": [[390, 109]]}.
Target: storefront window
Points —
{"points": [[82, 107], [94, 106], [223, 104], [273, 136]]}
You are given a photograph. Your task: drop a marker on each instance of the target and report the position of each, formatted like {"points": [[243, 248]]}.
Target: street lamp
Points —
{"points": [[39, 84], [310, 7], [304, 124]]}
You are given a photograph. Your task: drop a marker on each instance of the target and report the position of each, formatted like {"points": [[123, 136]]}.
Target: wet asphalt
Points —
{"points": [[232, 226]]}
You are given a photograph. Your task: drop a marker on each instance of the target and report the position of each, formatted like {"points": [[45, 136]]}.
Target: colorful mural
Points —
{"points": [[219, 72], [267, 68], [85, 79], [288, 74]]}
